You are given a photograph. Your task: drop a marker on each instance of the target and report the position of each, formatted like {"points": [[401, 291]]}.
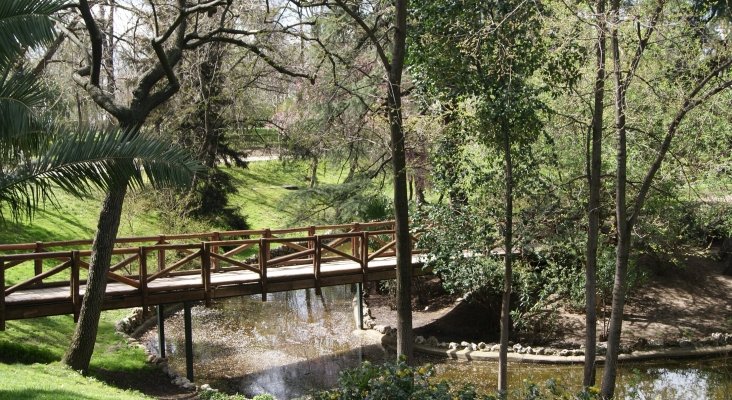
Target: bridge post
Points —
{"points": [[206, 271], [161, 331], [215, 249], [263, 257], [311, 233], [161, 253], [189, 340], [316, 264], [2, 295], [75, 295], [142, 251], [359, 294], [354, 243], [38, 263], [364, 255]]}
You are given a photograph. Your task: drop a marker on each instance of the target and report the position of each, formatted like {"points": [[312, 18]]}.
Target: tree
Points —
{"points": [[37, 155], [700, 77], [371, 20], [153, 81], [484, 53], [594, 204]]}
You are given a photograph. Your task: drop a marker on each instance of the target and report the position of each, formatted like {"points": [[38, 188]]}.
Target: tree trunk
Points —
{"points": [[405, 343], [622, 251], [313, 171], [595, 184], [81, 348], [508, 273]]}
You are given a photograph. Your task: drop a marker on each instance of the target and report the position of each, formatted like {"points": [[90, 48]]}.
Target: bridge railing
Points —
{"points": [[139, 263]]}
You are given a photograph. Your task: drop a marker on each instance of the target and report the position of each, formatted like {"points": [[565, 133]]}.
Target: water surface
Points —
{"points": [[297, 342]]}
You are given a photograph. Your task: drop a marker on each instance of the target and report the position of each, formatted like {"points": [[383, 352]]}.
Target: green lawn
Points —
{"points": [[52, 381], [260, 188], [30, 350]]}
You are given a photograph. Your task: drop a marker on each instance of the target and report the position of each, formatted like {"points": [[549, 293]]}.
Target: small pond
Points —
{"points": [[298, 341]]}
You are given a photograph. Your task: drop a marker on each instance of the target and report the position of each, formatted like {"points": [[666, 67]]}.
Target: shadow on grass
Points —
{"points": [[22, 394], [150, 380], [20, 353]]}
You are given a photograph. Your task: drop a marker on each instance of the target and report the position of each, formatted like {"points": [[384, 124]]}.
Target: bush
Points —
{"points": [[393, 381], [399, 381], [214, 395]]}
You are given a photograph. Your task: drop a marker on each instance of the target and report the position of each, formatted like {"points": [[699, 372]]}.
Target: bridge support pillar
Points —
{"points": [[189, 340], [161, 331], [359, 295]]}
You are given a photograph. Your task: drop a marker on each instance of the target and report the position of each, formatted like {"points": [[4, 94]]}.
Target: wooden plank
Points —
{"points": [[127, 261], [17, 247], [340, 253], [234, 262], [288, 230], [263, 259], [175, 265], [34, 256], [38, 278], [340, 241], [11, 264], [295, 246], [38, 263], [382, 250], [331, 227], [293, 256]]}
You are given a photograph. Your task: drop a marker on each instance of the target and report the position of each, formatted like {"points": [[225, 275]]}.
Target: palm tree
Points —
{"points": [[37, 155]]}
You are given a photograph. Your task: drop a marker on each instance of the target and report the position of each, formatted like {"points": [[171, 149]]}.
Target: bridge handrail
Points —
{"points": [[161, 238], [312, 247]]}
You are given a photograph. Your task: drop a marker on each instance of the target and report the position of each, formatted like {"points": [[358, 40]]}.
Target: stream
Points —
{"points": [[298, 342]]}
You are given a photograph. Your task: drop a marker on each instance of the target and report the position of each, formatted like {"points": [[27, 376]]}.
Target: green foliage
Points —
{"points": [[211, 200], [214, 395], [29, 24], [80, 163], [394, 381], [356, 200], [37, 155]]}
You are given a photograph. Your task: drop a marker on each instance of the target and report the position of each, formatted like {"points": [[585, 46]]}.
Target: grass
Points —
{"points": [[261, 188], [30, 350], [53, 381]]}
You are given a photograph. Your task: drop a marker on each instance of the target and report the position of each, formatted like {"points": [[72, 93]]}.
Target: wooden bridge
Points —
{"points": [[48, 278]]}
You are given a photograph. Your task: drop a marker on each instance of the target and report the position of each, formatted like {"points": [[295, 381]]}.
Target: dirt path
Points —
{"points": [[688, 303]]}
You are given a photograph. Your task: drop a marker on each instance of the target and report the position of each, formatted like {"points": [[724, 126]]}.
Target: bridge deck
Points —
{"points": [[37, 302], [165, 269]]}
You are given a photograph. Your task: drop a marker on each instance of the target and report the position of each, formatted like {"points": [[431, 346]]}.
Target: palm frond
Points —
{"points": [[25, 23], [81, 163], [20, 98]]}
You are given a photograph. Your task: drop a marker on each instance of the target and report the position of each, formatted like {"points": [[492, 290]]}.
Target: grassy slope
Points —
{"points": [[50, 381], [30, 349], [261, 188]]}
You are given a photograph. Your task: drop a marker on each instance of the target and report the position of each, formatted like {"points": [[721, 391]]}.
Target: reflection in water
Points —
{"points": [[297, 342], [664, 380]]}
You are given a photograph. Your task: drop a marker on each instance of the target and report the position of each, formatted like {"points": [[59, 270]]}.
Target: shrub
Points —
{"points": [[399, 381]]}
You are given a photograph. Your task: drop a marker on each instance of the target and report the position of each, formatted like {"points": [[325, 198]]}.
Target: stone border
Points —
{"points": [[137, 323], [717, 344], [468, 354]]}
